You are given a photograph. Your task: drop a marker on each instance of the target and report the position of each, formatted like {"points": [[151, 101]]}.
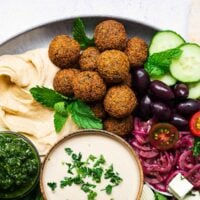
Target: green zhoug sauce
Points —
{"points": [[19, 166]]}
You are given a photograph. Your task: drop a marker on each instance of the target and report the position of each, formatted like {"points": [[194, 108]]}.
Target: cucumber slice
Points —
{"points": [[167, 79], [165, 40], [187, 68], [194, 90]]}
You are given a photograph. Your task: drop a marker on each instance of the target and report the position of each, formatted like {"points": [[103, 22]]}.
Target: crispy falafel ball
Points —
{"points": [[110, 34], [120, 127], [89, 86], [64, 51], [137, 51], [88, 59], [113, 66], [98, 109], [62, 82], [120, 101]]}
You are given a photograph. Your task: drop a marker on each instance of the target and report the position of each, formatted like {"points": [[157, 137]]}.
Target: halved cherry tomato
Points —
{"points": [[195, 124], [163, 136]]}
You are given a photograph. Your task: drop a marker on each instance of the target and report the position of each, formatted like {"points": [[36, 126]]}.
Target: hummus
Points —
{"points": [[19, 112]]}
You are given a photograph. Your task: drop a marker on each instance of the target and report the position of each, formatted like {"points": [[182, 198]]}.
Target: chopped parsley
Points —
{"points": [[88, 174], [52, 185]]}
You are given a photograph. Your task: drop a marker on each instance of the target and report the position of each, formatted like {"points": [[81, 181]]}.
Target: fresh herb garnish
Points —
{"points": [[79, 34], [52, 185], [83, 115], [68, 151], [47, 97], [196, 147], [64, 106], [158, 63], [93, 170], [159, 196]]}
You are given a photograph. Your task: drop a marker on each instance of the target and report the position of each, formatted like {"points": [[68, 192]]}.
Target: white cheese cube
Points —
{"points": [[179, 186]]}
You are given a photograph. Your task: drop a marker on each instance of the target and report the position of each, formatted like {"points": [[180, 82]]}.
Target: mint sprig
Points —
{"points": [[64, 106], [79, 34], [158, 63]]}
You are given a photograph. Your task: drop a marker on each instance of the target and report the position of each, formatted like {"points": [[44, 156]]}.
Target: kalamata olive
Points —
{"points": [[161, 111], [161, 90], [180, 122], [140, 80], [181, 91], [188, 107], [145, 106]]}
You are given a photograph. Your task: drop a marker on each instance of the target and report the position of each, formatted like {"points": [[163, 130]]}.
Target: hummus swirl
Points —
{"points": [[19, 112]]}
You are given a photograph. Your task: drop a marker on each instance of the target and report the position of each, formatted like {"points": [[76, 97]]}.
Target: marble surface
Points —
{"points": [[17, 16]]}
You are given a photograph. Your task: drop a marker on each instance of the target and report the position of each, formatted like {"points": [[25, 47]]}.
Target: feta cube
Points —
{"points": [[179, 186]]}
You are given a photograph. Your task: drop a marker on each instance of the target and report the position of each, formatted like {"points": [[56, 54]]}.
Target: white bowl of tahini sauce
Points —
{"points": [[93, 142]]}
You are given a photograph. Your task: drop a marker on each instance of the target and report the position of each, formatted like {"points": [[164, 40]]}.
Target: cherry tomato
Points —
{"points": [[195, 124], [163, 136]]}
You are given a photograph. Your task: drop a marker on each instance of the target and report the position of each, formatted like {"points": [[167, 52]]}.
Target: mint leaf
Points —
{"points": [[60, 108], [59, 121], [159, 196], [47, 97], [83, 116], [79, 34], [196, 147], [158, 63]]}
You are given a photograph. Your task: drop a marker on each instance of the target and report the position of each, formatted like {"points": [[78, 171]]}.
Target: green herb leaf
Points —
{"points": [[52, 185], [79, 34], [109, 189], [92, 195], [47, 97], [159, 196], [66, 182], [60, 108], [83, 116], [59, 121], [196, 147], [158, 64], [100, 161], [69, 151], [86, 187]]}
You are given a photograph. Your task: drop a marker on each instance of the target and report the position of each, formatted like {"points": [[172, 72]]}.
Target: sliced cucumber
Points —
{"points": [[167, 79], [194, 90], [164, 40], [187, 67]]}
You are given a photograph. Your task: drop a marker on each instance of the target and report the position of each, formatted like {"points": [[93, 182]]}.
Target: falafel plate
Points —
{"points": [[147, 96]]}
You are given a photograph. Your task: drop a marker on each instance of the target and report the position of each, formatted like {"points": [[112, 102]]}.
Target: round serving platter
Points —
{"points": [[41, 36]]}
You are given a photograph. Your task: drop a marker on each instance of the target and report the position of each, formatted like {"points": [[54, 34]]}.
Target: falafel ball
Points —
{"points": [[113, 66], [120, 101], [64, 51], [110, 34], [89, 86], [120, 127], [137, 51], [62, 82], [88, 59], [98, 110]]}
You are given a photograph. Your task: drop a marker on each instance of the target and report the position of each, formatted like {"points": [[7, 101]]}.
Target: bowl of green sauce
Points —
{"points": [[19, 166]]}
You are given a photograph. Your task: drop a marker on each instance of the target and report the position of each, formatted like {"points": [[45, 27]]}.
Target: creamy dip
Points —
{"points": [[114, 152], [18, 110]]}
